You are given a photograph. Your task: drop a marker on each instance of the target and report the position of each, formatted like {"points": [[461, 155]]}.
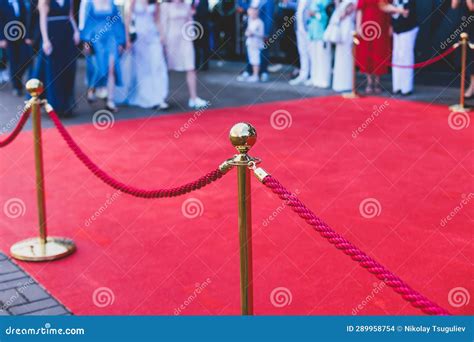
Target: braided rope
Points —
{"points": [[428, 62], [398, 285], [107, 179], [19, 126]]}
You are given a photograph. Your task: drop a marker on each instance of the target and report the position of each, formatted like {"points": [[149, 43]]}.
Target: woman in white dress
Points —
{"points": [[147, 73], [179, 30], [344, 18]]}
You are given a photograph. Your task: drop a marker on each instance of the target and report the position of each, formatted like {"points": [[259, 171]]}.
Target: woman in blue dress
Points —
{"points": [[60, 37], [104, 32]]}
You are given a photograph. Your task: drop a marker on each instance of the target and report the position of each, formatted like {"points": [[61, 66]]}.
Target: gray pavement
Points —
{"points": [[22, 295]]}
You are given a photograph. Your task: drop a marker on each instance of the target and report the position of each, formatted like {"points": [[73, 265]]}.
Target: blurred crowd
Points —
{"points": [[130, 47]]}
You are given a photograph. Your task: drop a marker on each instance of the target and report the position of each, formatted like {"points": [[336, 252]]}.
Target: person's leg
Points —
{"points": [[377, 87], [111, 85], [14, 54], [313, 54], [396, 60], [264, 61], [303, 51], [194, 102], [90, 77], [407, 45], [369, 89], [322, 78], [192, 84], [470, 89], [256, 70], [254, 58]]}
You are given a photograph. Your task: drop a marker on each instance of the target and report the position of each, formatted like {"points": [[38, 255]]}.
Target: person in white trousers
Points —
{"points": [[302, 42], [321, 54], [344, 20], [404, 54], [405, 31]]}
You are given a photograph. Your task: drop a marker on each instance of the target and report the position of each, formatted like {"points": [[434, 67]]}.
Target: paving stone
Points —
{"points": [[15, 283], [12, 276], [32, 307], [6, 266], [55, 310], [22, 295], [11, 297], [4, 313], [34, 292]]}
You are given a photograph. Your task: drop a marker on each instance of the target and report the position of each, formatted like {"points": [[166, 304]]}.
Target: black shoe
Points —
{"points": [[407, 94]]}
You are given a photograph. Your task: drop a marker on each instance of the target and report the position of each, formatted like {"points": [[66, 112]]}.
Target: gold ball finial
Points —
{"points": [[464, 35], [34, 87], [243, 136]]}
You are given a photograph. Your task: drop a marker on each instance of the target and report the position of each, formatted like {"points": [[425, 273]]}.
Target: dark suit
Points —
{"points": [[13, 28], [201, 44]]}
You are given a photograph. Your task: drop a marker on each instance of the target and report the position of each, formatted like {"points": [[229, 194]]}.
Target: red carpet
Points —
{"points": [[151, 257]]}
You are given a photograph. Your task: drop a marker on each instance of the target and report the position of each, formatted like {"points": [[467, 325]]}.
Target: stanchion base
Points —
{"points": [[459, 109], [32, 250], [351, 95]]}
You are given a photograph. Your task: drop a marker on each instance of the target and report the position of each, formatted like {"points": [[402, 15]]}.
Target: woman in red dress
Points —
{"points": [[374, 51]]}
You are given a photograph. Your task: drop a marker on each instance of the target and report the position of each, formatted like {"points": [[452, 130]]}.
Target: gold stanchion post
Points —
{"points": [[353, 94], [243, 136], [42, 248], [461, 107]]}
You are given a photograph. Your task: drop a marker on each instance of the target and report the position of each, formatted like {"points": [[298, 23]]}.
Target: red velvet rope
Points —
{"points": [[158, 193], [19, 126], [399, 286], [426, 63]]}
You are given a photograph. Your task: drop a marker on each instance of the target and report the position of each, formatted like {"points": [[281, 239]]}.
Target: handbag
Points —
{"points": [[333, 32]]}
